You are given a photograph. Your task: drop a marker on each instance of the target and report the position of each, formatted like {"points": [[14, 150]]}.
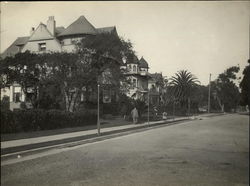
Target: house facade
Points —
{"points": [[52, 38], [138, 75]]}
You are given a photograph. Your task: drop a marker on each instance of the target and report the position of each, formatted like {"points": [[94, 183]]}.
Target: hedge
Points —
{"points": [[34, 120]]}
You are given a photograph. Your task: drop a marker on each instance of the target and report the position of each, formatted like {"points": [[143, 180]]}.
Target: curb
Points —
{"points": [[69, 142]]}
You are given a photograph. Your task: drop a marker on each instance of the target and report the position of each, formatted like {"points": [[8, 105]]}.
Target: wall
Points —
{"points": [[51, 45], [5, 92]]}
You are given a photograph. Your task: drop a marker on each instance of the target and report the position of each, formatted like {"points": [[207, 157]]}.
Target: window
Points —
{"points": [[42, 46], [134, 82], [17, 94], [129, 67], [134, 68], [76, 40], [19, 48]]}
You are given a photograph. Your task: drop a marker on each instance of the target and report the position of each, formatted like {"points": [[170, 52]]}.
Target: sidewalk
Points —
{"points": [[88, 132]]}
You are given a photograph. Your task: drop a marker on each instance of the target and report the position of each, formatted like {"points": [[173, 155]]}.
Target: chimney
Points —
{"points": [[32, 30], [51, 25]]}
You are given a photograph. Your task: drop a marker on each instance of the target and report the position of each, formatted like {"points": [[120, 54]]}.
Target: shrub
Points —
{"points": [[33, 120]]}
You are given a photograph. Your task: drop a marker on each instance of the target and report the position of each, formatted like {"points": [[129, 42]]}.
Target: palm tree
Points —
{"points": [[181, 86]]}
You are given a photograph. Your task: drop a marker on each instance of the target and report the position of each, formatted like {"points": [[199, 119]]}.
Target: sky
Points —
{"points": [[202, 37]]}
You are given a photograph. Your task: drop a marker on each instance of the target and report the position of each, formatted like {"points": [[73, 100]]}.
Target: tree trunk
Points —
{"points": [[70, 100]]}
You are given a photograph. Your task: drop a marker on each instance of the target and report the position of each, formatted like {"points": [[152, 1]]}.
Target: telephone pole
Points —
{"points": [[209, 87], [98, 110], [148, 107]]}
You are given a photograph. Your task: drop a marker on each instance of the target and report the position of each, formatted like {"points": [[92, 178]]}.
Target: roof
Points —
{"points": [[41, 34], [110, 29], [80, 26], [59, 30], [132, 59], [155, 76], [143, 63], [14, 48]]}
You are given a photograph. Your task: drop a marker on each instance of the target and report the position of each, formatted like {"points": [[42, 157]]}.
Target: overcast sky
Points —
{"points": [[201, 37]]}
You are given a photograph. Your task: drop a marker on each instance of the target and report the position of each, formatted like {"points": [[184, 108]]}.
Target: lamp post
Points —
{"points": [[147, 91], [209, 87], [98, 110], [148, 106], [174, 110]]}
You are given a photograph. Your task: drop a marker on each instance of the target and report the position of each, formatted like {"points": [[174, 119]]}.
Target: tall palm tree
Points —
{"points": [[181, 86]]}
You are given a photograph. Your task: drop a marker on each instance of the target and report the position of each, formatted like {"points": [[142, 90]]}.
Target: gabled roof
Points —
{"points": [[132, 59], [41, 33], [80, 26], [110, 30], [143, 63], [14, 48]]}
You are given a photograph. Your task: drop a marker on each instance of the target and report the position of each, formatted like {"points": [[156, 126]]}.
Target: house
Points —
{"points": [[155, 88], [49, 38], [137, 73], [52, 38]]}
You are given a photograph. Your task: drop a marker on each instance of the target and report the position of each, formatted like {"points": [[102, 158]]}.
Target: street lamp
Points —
{"points": [[147, 91], [174, 110], [98, 110], [209, 89], [148, 106]]}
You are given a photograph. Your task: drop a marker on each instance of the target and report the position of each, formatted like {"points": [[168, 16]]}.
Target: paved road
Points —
{"points": [[212, 151]]}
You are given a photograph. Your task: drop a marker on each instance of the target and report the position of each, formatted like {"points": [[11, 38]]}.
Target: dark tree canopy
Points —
{"points": [[245, 86], [61, 78], [226, 90]]}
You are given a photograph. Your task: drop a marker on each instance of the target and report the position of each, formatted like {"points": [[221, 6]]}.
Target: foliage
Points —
{"points": [[225, 90], [106, 53], [14, 70], [181, 88], [245, 86], [58, 80], [5, 103], [37, 119]]}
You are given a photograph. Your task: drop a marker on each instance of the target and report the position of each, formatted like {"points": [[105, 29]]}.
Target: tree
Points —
{"points": [[24, 69], [245, 86], [106, 53], [54, 77], [181, 87], [226, 90]]}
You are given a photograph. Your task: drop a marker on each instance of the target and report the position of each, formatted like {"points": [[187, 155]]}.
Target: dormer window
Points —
{"points": [[19, 48], [42, 46], [134, 68]]}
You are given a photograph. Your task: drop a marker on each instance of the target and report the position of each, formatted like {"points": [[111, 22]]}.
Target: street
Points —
{"points": [[212, 151]]}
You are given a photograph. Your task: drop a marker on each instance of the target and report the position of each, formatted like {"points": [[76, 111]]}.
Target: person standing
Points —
{"points": [[124, 111], [134, 114]]}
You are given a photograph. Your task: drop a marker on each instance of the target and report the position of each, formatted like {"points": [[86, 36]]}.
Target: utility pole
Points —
{"points": [[188, 107], [98, 110], [148, 106], [209, 87], [174, 110]]}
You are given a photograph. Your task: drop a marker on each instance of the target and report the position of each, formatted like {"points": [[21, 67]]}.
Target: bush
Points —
{"points": [[33, 120], [5, 103]]}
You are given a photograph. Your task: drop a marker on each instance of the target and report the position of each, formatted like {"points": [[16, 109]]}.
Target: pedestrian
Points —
{"points": [[124, 111], [164, 115], [134, 114]]}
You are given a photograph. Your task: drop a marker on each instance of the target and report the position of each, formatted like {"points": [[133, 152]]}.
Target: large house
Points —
{"points": [[51, 38], [46, 38]]}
